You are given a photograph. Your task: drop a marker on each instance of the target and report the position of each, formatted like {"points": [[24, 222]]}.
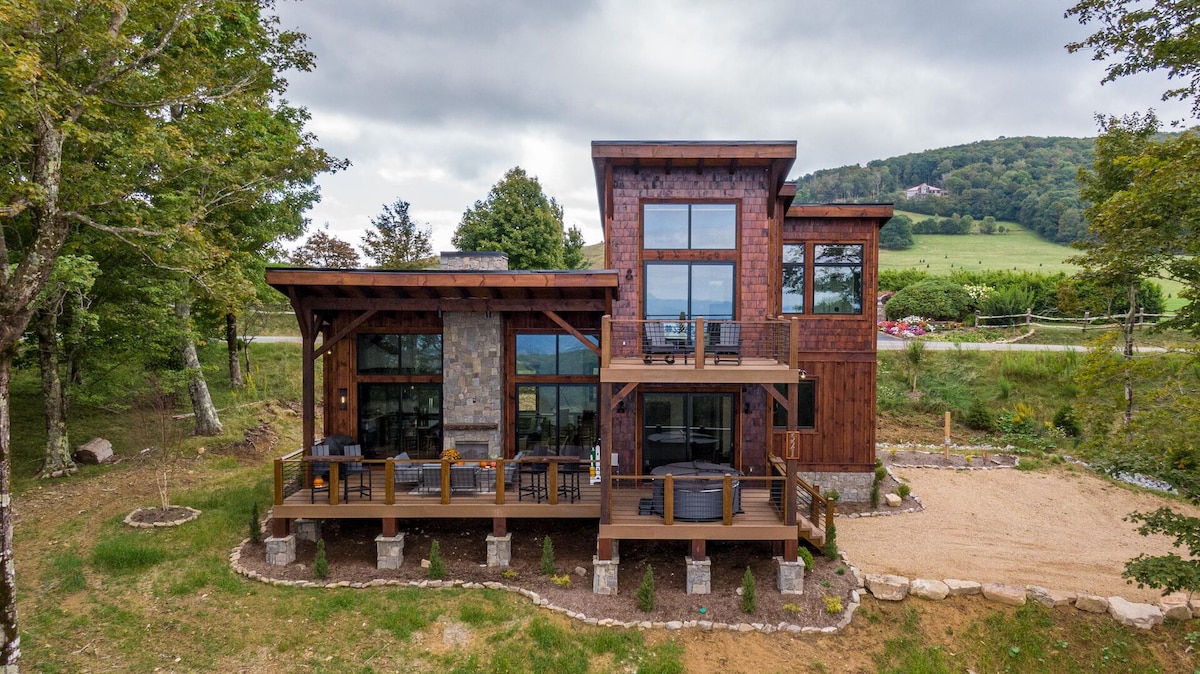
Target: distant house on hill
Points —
{"points": [[923, 190]]}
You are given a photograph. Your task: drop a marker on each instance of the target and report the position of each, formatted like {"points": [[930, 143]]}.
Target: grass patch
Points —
{"points": [[127, 553], [63, 573], [909, 654]]}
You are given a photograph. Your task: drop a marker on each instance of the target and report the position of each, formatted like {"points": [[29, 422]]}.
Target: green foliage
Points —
{"points": [[955, 224], [831, 548], [979, 416], [323, 250], [875, 494], [1019, 420], [255, 525], [806, 556], [909, 654], [645, 591], [395, 241], [437, 568], [126, 553], [547, 556], [897, 279], [1008, 301], [1064, 420], [518, 218], [903, 490], [562, 581], [833, 604], [897, 234], [938, 299], [749, 600], [320, 562], [1169, 573], [880, 474], [63, 573]]}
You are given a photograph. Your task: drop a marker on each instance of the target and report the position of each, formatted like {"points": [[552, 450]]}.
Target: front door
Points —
{"points": [[686, 427]]}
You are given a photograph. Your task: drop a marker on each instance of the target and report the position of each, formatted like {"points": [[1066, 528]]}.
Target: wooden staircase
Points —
{"points": [[814, 511]]}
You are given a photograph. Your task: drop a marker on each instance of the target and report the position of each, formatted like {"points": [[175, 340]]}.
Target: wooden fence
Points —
{"points": [[1084, 323]]}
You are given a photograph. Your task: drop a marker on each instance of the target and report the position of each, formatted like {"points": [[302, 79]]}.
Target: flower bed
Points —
{"points": [[907, 327]]}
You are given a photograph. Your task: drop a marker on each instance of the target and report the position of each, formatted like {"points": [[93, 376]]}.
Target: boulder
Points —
{"points": [[1175, 607], [1091, 603], [960, 588], [1012, 595], [933, 590], [1049, 598], [887, 587], [893, 500], [1141, 616], [94, 451]]}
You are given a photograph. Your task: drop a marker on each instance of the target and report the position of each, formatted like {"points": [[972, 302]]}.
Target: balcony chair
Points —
{"points": [[319, 469], [655, 343], [350, 468], [569, 473], [535, 473], [728, 342], [406, 473]]}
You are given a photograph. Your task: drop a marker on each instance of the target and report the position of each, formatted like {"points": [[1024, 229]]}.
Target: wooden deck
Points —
{"points": [[759, 522], [751, 371]]}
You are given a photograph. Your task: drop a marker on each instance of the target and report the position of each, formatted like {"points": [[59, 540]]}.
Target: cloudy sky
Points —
{"points": [[433, 100]]}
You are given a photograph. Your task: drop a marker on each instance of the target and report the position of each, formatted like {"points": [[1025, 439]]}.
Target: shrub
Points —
{"points": [[255, 526], [320, 563], [897, 279], [937, 298], [645, 591], [562, 581], [1017, 421], [509, 574], [903, 490], [896, 234], [805, 556], [880, 473], [547, 556], [832, 494], [833, 604], [1009, 301], [875, 494], [749, 601], [979, 417], [831, 549], [1064, 420], [437, 570]]}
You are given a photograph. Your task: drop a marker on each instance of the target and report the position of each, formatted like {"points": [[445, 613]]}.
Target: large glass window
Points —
{"points": [[689, 226], [689, 289], [380, 353], [837, 278], [556, 418], [686, 427], [806, 406], [395, 418], [555, 355], [793, 278]]}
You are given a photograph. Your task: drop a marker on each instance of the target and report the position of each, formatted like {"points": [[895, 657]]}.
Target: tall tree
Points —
{"points": [[517, 218], [396, 242], [325, 250], [84, 92], [573, 249]]}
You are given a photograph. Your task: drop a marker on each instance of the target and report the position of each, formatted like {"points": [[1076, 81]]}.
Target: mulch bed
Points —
{"points": [[351, 553]]}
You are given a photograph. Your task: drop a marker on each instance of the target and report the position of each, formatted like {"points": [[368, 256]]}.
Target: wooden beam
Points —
{"points": [[475, 305], [308, 383], [884, 211], [779, 397], [606, 403], [625, 391], [326, 346], [571, 329]]}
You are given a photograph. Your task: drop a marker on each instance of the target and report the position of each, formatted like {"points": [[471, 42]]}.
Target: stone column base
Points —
{"points": [[699, 576], [790, 577], [604, 576], [499, 550], [389, 551], [307, 530], [281, 551]]}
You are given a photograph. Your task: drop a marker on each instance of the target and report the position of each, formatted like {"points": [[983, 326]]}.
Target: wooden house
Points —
{"points": [[709, 384]]}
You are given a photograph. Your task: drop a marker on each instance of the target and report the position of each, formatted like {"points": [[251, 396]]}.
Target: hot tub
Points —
{"points": [[697, 500]]}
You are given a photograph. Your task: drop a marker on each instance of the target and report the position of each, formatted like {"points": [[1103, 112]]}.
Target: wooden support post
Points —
{"points": [[604, 549], [699, 341], [789, 494], [606, 471], [500, 483], [669, 499], [445, 483], [389, 484], [946, 448], [699, 554], [606, 341], [552, 481], [391, 526], [280, 527], [791, 550], [335, 483], [726, 501], [278, 498], [499, 527], [794, 344]]}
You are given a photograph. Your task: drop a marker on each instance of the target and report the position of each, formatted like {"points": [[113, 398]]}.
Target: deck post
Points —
{"points": [[391, 526], [669, 499], [499, 526], [794, 343], [726, 508], [789, 494], [605, 341], [606, 446], [308, 380], [445, 482], [280, 526], [699, 341], [278, 496], [335, 482], [389, 482], [552, 481], [499, 490], [698, 551]]}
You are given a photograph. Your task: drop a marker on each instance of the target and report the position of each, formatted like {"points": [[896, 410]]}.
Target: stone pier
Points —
{"points": [[499, 550], [604, 576], [699, 575], [281, 551], [389, 551], [790, 577], [307, 530]]}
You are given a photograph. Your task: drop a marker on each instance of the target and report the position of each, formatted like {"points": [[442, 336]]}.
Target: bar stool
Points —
{"points": [[536, 472]]}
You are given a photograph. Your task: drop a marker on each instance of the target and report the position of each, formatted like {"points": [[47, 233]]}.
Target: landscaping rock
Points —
{"points": [[1049, 598], [94, 451], [1175, 607], [893, 500], [933, 590], [887, 587], [1012, 595], [1091, 603], [962, 588], [1141, 616]]}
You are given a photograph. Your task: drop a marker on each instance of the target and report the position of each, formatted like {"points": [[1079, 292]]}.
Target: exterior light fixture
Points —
{"points": [[343, 399], [628, 274], [804, 374], [746, 407], [621, 407]]}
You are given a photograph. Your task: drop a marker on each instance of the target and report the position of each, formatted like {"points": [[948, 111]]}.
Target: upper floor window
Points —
{"points": [[689, 289], [837, 278], [793, 278], [555, 355], [380, 353], [689, 226]]}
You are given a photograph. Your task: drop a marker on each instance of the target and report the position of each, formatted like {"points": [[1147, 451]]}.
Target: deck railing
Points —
{"points": [[819, 509], [669, 515], [294, 473], [769, 339]]}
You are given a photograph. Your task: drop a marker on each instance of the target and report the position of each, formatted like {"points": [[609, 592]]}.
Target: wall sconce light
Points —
{"points": [[621, 407], [628, 274], [804, 374], [343, 399], [746, 407]]}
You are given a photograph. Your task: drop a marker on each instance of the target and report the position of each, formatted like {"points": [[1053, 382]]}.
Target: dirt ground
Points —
{"points": [[1059, 528]]}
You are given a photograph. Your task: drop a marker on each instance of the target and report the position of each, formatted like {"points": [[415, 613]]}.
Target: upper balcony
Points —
{"points": [[698, 351]]}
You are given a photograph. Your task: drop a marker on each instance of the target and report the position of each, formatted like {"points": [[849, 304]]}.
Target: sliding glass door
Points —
{"points": [[687, 427]]}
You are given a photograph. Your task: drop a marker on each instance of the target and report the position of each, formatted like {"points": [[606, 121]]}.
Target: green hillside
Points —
{"points": [[1017, 249]]}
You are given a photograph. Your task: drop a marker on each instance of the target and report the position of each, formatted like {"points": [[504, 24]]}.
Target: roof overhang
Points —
{"points": [[327, 290], [879, 212], [775, 155]]}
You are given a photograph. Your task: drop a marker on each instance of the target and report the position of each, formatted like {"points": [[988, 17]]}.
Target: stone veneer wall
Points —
{"points": [[473, 364], [854, 487]]}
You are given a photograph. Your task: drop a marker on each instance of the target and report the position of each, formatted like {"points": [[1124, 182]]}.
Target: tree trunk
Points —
{"points": [[10, 636], [1127, 334], [58, 461], [207, 422], [231, 343]]}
